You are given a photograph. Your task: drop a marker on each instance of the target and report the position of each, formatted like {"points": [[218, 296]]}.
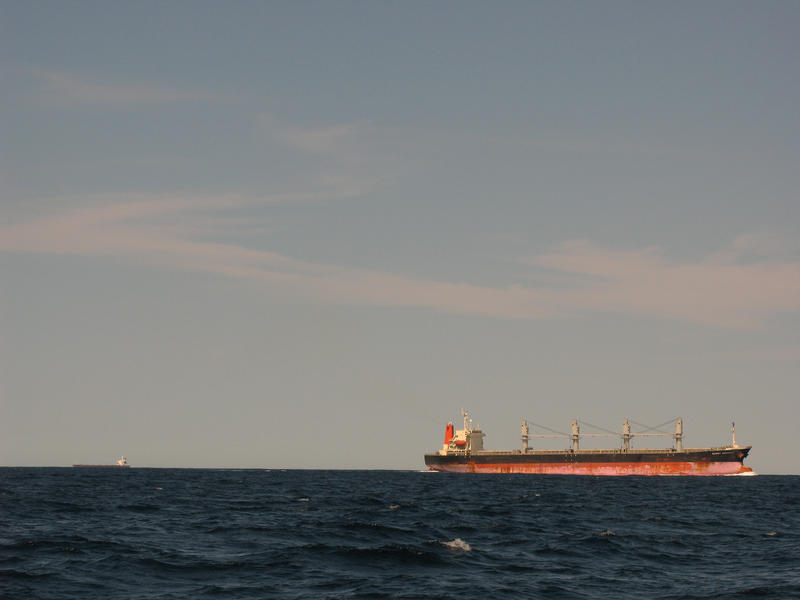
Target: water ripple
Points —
{"points": [[151, 533]]}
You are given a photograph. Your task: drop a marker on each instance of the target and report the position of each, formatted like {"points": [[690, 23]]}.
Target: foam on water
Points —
{"points": [[458, 544], [607, 533]]}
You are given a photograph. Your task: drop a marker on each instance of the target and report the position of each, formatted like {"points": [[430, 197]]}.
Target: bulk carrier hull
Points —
{"points": [[463, 452], [701, 461]]}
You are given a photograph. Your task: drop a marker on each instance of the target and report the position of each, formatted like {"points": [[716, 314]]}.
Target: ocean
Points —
{"points": [[202, 533]]}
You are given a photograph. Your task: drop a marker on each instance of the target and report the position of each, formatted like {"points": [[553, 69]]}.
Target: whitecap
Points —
{"points": [[458, 544], [607, 533]]}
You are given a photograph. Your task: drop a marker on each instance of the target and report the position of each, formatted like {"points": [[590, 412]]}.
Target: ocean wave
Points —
{"points": [[367, 534]]}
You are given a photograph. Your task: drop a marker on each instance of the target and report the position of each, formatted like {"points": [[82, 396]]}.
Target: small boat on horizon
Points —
{"points": [[122, 462]]}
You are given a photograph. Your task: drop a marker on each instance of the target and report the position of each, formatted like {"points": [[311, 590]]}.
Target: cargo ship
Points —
{"points": [[122, 462], [463, 452]]}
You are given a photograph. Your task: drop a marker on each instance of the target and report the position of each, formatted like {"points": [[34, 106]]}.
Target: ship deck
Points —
{"points": [[589, 452]]}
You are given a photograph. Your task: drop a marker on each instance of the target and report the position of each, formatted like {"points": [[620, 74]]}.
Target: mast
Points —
{"points": [[679, 435], [576, 435], [626, 435], [524, 436]]}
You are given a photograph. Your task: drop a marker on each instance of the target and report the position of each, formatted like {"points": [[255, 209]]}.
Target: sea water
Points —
{"points": [[194, 533]]}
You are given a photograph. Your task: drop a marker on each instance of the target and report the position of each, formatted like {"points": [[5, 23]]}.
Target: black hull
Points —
{"points": [[592, 456]]}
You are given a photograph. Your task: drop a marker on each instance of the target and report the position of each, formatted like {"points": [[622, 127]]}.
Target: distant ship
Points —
{"points": [[463, 452], [122, 462]]}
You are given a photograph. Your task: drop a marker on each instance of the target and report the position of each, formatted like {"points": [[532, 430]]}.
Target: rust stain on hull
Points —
{"points": [[600, 468]]}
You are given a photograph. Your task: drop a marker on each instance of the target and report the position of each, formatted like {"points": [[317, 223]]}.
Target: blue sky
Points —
{"points": [[306, 234]]}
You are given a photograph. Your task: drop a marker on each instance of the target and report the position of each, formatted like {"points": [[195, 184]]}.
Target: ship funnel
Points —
{"points": [[448, 433]]}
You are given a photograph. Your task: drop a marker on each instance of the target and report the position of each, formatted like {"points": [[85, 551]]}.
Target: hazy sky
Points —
{"points": [[305, 234]]}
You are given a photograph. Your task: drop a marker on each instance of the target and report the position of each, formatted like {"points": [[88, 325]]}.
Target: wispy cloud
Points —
{"points": [[718, 290], [330, 141], [58, 87], [344, 155]]}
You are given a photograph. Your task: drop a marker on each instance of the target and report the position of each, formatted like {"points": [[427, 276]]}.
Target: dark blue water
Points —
{"points": [[173, 533]]}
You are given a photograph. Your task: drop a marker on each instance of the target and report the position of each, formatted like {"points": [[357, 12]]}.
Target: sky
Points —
{"points": [[306, 234]]}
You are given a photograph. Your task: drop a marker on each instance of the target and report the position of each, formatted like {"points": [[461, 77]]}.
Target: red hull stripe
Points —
{"points": [[599, 468]]}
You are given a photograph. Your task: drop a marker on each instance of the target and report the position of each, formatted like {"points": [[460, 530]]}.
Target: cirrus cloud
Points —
{"points": [[58, 87], [720, 289]]}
